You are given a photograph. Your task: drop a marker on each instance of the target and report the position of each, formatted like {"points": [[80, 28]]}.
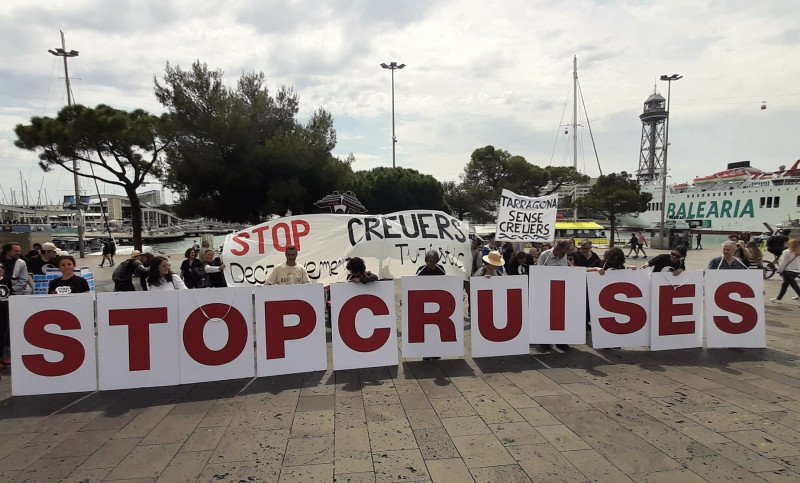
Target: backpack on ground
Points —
{"points": [[119, 275]]}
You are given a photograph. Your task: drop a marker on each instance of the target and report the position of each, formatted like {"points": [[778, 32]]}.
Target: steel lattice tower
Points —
{"points": [[651, 156]]}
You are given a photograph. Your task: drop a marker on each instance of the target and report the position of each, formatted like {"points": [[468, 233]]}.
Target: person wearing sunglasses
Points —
{"points": [[669, 262], [585, 257]]}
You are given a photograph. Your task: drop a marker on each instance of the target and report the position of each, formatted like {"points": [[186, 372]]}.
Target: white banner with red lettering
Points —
{"points": [[619, 305], [53, 344], [290, 328], [676, 308], [499, 315], [557, 305], [168, 338], [364, 325], [433, 316], [392, 245], [734, 309]]}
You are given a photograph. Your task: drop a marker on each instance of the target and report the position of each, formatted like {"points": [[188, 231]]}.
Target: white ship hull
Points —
{"points": [[722, 208]]}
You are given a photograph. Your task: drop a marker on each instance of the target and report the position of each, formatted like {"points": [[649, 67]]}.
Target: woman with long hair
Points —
{"points": [[789, 268], [161, 278], [613, 259]]}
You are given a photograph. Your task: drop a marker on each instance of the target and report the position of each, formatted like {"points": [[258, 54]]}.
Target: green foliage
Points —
{"points": [[240, 154], [122, 148], [491, 170], [385, 190], [614, 195]]}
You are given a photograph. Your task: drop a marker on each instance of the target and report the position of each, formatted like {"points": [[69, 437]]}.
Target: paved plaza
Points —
{"points": [[579, 415]]}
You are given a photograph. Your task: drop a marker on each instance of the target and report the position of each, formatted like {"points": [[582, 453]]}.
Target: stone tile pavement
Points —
{"points": [[580, 415]]}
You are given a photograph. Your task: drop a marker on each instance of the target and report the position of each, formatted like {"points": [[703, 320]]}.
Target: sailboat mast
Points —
{"points": [[62, 52], [575, 112]]}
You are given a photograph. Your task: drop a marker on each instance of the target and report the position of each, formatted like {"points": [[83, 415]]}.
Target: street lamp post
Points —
{"points": [[393, 66], [669, 79], [62, 52]]}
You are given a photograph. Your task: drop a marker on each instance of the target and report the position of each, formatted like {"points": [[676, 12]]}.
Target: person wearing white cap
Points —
{"points": [[123, 274], [38, 265], [492, 260]]}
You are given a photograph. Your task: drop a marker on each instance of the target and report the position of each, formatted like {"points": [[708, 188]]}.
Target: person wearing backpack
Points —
{"points": [[123, 274], [776, 243]]}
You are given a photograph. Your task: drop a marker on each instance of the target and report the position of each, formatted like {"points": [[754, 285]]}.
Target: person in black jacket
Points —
{"points": [[431, 266], [585, 257]]}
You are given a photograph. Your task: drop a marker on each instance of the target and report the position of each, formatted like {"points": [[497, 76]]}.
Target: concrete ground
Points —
{"points": [[580, 415]]}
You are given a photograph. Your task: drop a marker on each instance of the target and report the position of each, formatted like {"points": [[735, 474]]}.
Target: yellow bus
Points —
{"points": [[580, 231]]}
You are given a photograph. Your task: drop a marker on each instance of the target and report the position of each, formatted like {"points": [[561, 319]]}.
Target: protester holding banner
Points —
{"points": [[431, 266], [491, 268], [160, 277], [672, 262], [69, 282], [214, 269], [556, 256], [289, 272], [585, 257], [727, 261], [358, 271]]}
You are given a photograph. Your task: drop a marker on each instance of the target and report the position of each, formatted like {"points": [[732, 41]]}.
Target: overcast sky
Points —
{"points": [[477, 73]]}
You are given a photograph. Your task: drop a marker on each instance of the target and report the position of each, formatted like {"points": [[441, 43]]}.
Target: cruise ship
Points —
{"points": [[740, 198]]}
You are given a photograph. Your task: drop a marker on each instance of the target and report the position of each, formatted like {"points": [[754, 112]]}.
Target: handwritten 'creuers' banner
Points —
{"points": [[524, 219], [392, 245]]}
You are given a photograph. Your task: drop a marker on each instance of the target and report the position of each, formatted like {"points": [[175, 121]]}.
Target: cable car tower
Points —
{"points": [[651, 155]]}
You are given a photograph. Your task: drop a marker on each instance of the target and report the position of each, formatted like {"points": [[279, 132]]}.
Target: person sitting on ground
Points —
{"points": [[288, 272], [727, 261], [492, 262], [672, 262], [789, 268], [214, 269], [585, 257], [431, 266], [160, 277], [68, 282], [358, 271]]}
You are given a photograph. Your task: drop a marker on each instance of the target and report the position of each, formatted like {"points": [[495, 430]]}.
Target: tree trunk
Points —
{"points": [[136, 217]]}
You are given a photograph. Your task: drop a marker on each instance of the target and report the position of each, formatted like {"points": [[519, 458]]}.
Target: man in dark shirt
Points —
{"points": [[214, 270], [37, 264], [585, 257], [669, 262]]}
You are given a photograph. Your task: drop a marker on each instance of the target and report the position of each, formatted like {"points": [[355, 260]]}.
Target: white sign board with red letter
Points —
{"points": [[676, 310], [619, 304], [499, 315], [216, 330], [557, 306], [433, 316], [138, 342], [53, 344], [290, 329], [734, 309], [364, 325]]}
